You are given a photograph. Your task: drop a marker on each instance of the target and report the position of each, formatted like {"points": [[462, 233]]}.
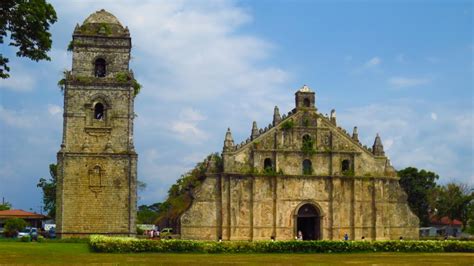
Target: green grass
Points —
{"points": [[79, 253]]}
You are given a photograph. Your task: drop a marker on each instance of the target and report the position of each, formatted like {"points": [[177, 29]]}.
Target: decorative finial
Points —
{"points": [[108, 147], [377, 148], [276, 116], [355, 134], [332, 118], [254, 134], [229, 141]]}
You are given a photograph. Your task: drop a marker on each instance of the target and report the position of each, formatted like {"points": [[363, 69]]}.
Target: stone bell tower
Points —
{"points": [[97, 163]]}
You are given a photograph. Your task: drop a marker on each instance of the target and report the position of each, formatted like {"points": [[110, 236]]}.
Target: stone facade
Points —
{"points": [[300, 173], [97, 163]]}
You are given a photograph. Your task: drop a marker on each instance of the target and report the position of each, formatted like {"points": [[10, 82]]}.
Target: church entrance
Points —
{"points": [[308, 222]]}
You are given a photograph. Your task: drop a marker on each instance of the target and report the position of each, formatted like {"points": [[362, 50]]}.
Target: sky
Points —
{"points": [[403, 69]]}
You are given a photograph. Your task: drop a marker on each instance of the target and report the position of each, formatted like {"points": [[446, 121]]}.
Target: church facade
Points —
{"points": [[97, 163], [300, 173]]}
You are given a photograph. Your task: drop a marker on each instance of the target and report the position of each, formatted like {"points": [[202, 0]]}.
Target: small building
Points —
{"points": [[428, 231], [445, 226], [33, 219]]}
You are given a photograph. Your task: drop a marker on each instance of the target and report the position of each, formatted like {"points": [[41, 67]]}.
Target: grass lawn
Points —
{"points": [[78, 253]]}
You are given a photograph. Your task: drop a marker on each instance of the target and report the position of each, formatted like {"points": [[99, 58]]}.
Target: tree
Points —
{"points": [[13, 225], [470, 221], [27, 22], [454, 201], [147, 214], [418, 185], [5, 206], [181, 194], [49, 191]]}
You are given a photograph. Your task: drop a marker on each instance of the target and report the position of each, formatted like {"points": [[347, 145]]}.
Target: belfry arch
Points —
{"points": [[308, 220]]}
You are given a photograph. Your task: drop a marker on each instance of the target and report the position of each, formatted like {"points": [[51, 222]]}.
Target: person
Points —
{"points": [[346, 237], [363, 238], [300, 236]]}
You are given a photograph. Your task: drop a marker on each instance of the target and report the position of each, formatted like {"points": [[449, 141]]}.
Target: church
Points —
{"points": [[301, 174]]}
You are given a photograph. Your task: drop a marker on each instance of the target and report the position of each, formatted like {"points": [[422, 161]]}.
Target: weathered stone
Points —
{"points": [[97, 165], [345, 189]]}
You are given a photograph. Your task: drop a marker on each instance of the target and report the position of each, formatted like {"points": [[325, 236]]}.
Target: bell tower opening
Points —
{"points": [[306, 102], [100, 66], [308, 222], [99, 111]]}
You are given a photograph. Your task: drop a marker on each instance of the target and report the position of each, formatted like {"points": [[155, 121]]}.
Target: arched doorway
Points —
{"points": [[308, 222]]}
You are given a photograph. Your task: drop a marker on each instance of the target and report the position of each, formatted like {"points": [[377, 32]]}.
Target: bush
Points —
{"points": [[68, 240], [40, 239], [26, 238], [127, 244], [13, 225]]}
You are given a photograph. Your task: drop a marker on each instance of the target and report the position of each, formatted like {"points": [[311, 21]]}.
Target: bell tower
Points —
{"points": [[97, 163]]}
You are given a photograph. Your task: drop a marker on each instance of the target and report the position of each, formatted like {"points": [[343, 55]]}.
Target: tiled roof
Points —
{"points": [[20, 214], [445, 221]]}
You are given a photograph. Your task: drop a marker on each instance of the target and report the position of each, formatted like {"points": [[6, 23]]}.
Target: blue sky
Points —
{"points": [[403, 69]]}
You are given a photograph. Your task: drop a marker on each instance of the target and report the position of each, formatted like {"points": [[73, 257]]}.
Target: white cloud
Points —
{"points": [[192, 50], [372, 65], [20, 79], [404, 82], [190, 114], [186, 128], [410, 137], [16, 119], [54, 109], [373, 62], [434, 116]]}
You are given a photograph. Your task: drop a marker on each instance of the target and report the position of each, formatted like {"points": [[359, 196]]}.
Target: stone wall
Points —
{"points": [[92, 203], [259, 207], [353, 188]]}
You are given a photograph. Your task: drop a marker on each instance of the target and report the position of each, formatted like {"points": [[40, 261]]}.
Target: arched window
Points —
{"points": [[306, 102], [99, 113], [100, 68], [345, 165], [268, 165], [307, 167]]}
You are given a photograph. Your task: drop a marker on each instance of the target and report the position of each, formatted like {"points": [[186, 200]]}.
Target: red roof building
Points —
{"points": [[445, 221], [33, 219]]}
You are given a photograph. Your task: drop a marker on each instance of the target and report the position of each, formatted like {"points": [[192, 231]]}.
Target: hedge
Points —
{"points": [[127, 244]]}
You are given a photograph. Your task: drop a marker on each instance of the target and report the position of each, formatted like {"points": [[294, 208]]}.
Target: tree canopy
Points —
{"points": [[49, 191], [419, 186], [454, 201], [13, 226], [26, 24], [5, 206], [181, 194]]}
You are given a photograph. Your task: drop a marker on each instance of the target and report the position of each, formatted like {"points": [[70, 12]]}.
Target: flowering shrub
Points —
{"points": [[128, 244]]}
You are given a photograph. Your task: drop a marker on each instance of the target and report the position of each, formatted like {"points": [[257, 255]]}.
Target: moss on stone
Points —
{"points": [[287, 125]]}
